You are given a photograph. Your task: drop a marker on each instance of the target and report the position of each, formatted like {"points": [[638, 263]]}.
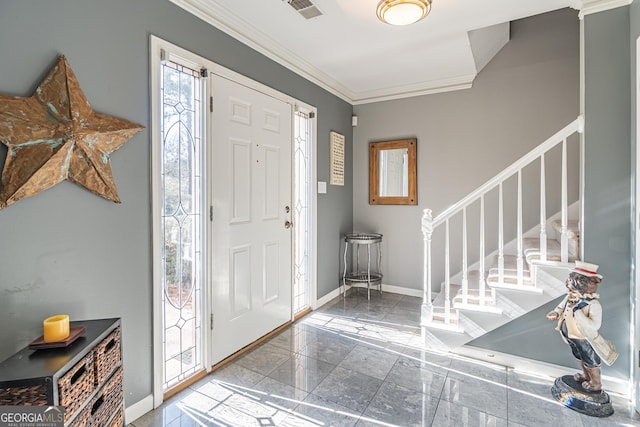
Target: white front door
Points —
{"points": [[251, 199]]}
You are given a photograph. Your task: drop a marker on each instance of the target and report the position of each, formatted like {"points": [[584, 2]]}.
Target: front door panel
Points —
{"points": [[251, 188]]}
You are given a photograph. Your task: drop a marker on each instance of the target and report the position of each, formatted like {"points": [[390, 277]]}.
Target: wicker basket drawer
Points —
{"points": [[83, 418], [107, 402], [28, 396], [106, 356], [103, 405], [76, 385]]}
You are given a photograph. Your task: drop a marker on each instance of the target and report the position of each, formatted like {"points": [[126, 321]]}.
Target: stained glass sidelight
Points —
{"points": [[301, 211], [182, 185]]}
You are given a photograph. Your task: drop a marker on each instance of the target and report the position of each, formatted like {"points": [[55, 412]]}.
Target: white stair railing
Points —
{"points": [[446, 314]]}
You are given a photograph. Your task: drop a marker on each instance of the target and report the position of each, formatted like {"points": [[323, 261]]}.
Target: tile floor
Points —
{"points": [[355, 362]]}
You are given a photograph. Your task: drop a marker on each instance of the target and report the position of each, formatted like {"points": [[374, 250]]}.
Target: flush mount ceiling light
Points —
{"points": [[403, 12]]}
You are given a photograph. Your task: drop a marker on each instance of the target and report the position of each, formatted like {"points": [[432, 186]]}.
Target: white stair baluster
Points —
{"points": [[427, 230], [447, 276], [519, 260], [481, 279], [465, 276], [564, 243], [543, 211], [500, 235]]}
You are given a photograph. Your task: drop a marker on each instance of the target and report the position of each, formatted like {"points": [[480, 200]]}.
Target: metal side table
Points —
{"points": [[356, 275]]}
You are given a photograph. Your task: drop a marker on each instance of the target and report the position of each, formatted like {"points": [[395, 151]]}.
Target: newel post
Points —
{"points": [[427, 230]]}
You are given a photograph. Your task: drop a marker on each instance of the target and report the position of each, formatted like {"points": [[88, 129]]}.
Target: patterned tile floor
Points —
{"points": [[355, 362]]}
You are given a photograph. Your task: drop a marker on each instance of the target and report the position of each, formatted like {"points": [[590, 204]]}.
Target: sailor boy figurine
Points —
{"points": [[579, 317]]}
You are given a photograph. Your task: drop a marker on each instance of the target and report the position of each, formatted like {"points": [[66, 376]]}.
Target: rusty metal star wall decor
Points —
{"points": [[55, 135]]}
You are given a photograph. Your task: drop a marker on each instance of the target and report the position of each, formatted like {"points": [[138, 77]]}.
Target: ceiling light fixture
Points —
{"points": [[403, 12]]}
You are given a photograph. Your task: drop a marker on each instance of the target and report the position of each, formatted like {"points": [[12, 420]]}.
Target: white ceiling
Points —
{"points": [[349, 52]]}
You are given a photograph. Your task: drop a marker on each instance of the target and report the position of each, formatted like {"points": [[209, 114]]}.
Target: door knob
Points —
{"points": [[288, 224]]}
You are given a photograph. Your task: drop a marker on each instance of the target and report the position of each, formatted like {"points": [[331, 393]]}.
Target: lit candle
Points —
{"points": [[56, 328]]}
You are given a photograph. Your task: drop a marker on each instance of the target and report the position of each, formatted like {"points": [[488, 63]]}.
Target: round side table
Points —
{"points": [[361, 274]]}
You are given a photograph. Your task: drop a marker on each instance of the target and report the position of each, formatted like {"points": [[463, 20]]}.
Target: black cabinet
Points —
{"points": [[86, 377]]}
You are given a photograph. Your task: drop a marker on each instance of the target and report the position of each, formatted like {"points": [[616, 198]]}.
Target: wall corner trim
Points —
{"points": [[587, 7]]}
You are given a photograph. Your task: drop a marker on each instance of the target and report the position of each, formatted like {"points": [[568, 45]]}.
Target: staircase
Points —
{"points": [[519, 275]]}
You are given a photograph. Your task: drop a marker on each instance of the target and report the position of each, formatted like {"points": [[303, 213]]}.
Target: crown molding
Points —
{"points": [[588, 7], [228, 23], [419, 89]]}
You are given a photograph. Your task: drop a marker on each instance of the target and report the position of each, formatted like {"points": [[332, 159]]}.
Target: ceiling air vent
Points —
{"points": [[305, 8]]}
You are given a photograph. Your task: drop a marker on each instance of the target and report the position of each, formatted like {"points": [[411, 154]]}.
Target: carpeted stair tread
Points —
{"points": [[531, 249], [510, 267], [531, 243]]}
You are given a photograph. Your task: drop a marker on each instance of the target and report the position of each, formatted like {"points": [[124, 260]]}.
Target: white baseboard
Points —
{"points": [[537, 368], [138, 409], [402, 291], [385, 288], [328, 297]]}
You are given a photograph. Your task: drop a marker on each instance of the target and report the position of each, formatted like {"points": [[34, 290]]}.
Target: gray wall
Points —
{"points": [[529, 91], [67, 250], [607, 159]]}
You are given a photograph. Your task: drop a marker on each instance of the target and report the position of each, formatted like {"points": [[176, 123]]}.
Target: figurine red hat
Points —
{"points": [[586, 269]]}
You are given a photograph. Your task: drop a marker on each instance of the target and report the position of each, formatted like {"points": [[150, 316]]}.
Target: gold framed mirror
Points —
{"points": [[392, 172]]}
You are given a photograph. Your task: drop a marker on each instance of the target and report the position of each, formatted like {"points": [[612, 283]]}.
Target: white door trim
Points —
{"points": [[178, 54], [635, 282], [193, 61]]}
